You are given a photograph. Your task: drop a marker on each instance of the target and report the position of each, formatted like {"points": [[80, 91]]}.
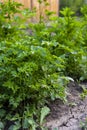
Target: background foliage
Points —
{"points": [[75, 5]]}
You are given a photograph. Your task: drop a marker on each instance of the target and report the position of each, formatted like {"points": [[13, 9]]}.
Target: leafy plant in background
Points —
{"points": [[84, 28], [73, 4], [84, 18], [10, 15], [7, 12], [63, 37], [44, 12]]}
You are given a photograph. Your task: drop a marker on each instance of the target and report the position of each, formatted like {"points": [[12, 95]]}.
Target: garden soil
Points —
{"points": [[72, 114]]}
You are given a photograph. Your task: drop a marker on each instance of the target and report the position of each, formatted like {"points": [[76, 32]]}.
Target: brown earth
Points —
{"points": [[70, 115]]}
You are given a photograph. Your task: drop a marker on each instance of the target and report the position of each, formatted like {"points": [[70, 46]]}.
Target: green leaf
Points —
{"points": [[1, 125], [44, 112], [15, 127], [25, 123], [32, 124]]}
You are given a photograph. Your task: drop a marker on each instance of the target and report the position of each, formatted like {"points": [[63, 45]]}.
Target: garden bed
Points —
{"points": [[71, 115], [36, 67]]}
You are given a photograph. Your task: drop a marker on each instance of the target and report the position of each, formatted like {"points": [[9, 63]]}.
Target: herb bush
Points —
{"points": [[29, 74], [7, 17], [65, 38], [35, 68]]}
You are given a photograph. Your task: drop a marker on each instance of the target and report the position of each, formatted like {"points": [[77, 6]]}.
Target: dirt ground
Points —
{"points": [[70, 115]]}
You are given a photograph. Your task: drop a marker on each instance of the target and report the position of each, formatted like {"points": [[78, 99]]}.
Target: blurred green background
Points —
{"points": [[75, 5]]}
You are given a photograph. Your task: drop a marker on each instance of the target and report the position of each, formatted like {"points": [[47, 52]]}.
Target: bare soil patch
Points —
{"points": [[68, 116]]}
